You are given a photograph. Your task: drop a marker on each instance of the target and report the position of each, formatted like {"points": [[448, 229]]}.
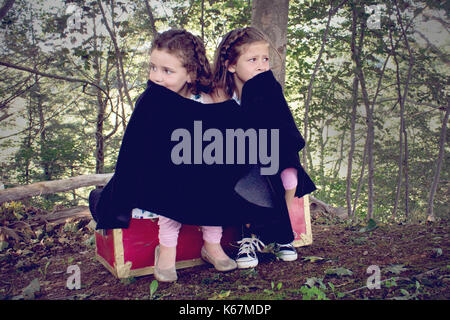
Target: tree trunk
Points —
{"points": [[369, 117], [348, 193], [402, 105], [430, 212], [273, 22], [99, 137], [38, 101], [42, 131], [117, 50], [400, 147], [151, 19]]}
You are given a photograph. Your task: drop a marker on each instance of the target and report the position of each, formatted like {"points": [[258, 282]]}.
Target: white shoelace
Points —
{"points": [[249, 245]]}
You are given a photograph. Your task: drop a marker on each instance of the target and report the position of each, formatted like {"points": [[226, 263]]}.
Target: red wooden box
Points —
{"points": [[130, 252], [301, 221]]}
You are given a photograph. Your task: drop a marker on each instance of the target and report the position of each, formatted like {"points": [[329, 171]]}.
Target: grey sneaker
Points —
{"points": [[246, 257], [286, 252]]}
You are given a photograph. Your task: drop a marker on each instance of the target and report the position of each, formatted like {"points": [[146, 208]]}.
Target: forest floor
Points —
{"points": [[341, 264]]}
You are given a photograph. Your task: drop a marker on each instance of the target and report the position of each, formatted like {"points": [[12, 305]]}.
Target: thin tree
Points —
{"points": [[118, 52], [355, 50], [331, 13], [369, 111], [442, 141]]}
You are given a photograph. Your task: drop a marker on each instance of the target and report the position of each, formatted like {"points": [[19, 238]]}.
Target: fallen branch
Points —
{"points": [[62, 216], [49, 187], [318, 205]]}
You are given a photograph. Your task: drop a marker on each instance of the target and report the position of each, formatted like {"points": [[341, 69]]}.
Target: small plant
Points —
{"points": [[389, 283], [251, 273], [153, 288], [337, 294], [223, 294], [312, 293], [216, 277], [272, 285], [410, 296], [44, 272], [127, 281]]}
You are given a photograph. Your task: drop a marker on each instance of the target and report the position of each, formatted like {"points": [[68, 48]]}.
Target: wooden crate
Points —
{"points": [[131, 252]]}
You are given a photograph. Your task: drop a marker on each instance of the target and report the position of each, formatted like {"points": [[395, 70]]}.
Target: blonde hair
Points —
{"points": [[191, 51]]}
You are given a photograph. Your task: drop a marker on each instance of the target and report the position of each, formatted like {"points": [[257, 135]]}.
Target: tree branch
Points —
{"points": [[48, 75], [3, 10]]}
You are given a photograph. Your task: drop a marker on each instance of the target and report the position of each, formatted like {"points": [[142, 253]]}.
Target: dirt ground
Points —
{"points": [[344, 262]]}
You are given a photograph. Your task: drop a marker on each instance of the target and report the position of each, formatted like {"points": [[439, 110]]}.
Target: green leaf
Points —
{"points": [[3, 245], [339, 272], [395, 268], [153, 288], [405, 292], [279, 285], [224, 294]]}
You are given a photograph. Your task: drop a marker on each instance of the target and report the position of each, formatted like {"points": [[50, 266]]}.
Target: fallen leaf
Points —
{"points": [[311, 282], [313, 258], [29, 291], [437, 252]]}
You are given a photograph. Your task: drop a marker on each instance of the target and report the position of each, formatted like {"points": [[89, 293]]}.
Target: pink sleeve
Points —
{"points": [[289, 178]]}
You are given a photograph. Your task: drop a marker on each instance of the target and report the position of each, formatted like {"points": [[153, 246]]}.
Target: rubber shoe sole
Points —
{"points": [[246, 263]]}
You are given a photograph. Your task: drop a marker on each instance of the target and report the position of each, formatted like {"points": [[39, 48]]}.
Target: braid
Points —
{"points": [[203, 68], [227, 54], [191, 51]]}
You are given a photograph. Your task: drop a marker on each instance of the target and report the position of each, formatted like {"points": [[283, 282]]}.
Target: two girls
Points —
{"points": [[178, 62]]}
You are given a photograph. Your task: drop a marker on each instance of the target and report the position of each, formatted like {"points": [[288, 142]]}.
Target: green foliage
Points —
{"points": [[312, 293]]}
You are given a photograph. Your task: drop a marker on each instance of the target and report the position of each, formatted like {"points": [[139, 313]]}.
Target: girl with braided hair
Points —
{"points": [[178, 62], [242, 72]]}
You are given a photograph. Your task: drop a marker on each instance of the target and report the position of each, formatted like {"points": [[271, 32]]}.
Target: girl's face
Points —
{"points": [[253, 60], [167, 70]]}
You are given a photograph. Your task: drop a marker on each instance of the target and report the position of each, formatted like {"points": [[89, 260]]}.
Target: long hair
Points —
{"points": [[191, 51], [229, 50]]}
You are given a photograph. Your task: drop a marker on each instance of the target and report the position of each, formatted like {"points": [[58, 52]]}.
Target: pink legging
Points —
{"points": [[169, 229]]}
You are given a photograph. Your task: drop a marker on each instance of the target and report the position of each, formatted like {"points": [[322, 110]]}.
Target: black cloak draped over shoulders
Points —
{"points": [[265, 105], [147, 177]]}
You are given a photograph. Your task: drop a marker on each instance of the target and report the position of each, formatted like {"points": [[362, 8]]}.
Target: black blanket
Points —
{"points": [[148, 174], [265, 106]]}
